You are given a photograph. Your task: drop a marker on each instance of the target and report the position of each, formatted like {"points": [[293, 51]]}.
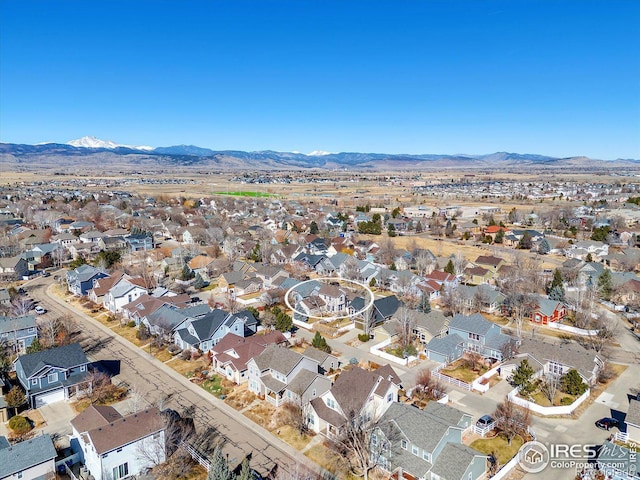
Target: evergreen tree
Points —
{"points": [[419, 227], [320, 343], [556, 293], [35, 346], [522, 377], [499, 236], [424, 305], [219, 468], [393, 266], [572, 383], [245, 471], [313, 228], [284, 323], [588, 258], [605, 286], [199, 282], [450, 267], [557, 288], [391, 230]]}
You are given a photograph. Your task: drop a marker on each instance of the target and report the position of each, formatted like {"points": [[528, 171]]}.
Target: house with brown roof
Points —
{"points": [[231, 354], [147, 304], [356, 393], [102, 285], [490, 262], [477, 275], [114, 447]]}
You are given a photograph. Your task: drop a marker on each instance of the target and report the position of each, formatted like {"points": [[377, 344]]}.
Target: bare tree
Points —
{"points": [[459, 263], [136, 398], [550, 385], [428, 387], [423, 262], [512, 420], [231, 302], [21, 306], [406, 321]]}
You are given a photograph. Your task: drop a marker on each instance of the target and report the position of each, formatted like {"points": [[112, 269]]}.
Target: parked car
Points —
{"points": [[607, 423], [39, 310], [46, 274], [484, 421]]}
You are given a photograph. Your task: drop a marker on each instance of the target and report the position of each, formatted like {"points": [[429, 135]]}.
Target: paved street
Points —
{"points": [[154, 380]]}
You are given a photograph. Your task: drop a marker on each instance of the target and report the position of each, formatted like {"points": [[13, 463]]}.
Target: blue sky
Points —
{"points": [[558, 78]]}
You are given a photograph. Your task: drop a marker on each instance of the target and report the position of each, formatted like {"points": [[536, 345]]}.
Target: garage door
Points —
{"points": [[51, 397]]}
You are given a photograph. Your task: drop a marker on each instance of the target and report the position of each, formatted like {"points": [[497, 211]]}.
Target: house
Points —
{"points": [[490, 262], [271, 372], [115, 447], [481, 297], [31, 459], [101, 287], [139, 242], [430, 325], [80, 280], [166, 319], [18, 332], [357, 393], [557, 359], [426, 444], [52, 375], [204, 332], [13, 268], [632, 420], [471, 333], [381, 310], [546, 311], [147, 304], [231, 354], [477, 275], [124, 291], [444, 279], [326, 361]]}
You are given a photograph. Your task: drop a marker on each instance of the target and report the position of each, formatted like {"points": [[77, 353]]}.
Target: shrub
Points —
{"points": [[19, 424], [186, 354], [363, 337], [566, 401], [131, 324], [143, 332]]}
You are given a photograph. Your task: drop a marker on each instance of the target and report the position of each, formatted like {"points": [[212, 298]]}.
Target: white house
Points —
{"points": [[125, 291], [115, 447]]}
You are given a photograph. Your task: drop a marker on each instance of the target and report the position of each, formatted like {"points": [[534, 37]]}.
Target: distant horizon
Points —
{"points": [[317, 151], [559, 78]]}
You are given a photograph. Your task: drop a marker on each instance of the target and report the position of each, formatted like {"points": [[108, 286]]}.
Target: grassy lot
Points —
{"points": [[247, 194], [161, 354], [291, 436], [541, 399], [187, 367], [324, 457], [240, 397], [128, 333], [459, 371], [262, 414], [499, 446], [214, 386]]}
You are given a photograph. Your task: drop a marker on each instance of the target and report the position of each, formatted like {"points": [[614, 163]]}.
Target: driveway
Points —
{"points": [[57, 417]]}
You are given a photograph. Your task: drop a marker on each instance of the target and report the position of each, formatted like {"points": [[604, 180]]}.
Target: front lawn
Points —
{"points": [[214, 386], [499, 447], [462, 372], [561, 398]]}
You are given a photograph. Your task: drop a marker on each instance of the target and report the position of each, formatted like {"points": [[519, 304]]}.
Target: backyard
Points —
{"points": [[499, 446], [462, 370]]}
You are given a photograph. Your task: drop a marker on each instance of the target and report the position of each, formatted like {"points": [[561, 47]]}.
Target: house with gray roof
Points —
{"points": [[81, 279], [382, 310], [52, 375], [168, 318], [484, 298], [426, 444], [356, 393], [204, 332], [632, 420], [32, 459], [546, 310], [430, 325], [5, 298], [18, 332], [557, 359], [471, 333], [275, 369]]}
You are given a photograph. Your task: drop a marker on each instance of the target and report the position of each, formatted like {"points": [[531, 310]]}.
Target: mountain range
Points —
{"points": [[91, 151]]}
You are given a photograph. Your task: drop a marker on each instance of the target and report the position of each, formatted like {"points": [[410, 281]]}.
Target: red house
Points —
{"points": [[547, 311]]}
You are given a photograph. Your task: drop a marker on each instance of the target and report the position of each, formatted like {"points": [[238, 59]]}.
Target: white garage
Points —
{"points": [[49, 397]]}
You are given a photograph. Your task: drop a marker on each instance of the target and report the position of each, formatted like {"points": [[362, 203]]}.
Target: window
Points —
{"points": [[403, 444], [34, 381], [426, 456], [82, 368], [120, 471], [374, 439], [414, 450], [32, 330], [119, 450], [52, 377], [313, 392], [389, 397], [474, 336], [19, 475]]}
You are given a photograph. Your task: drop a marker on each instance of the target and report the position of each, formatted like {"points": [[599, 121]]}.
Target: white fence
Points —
{"points": [[377, 350], [534, 407], [506, 468], [196, 455], [482, 431], [621, 437], [573, 330], [481, 384], [435, 373]]}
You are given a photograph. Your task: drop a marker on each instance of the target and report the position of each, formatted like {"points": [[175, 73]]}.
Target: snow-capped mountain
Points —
{"points": [[93, 142], [318, 153]]}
